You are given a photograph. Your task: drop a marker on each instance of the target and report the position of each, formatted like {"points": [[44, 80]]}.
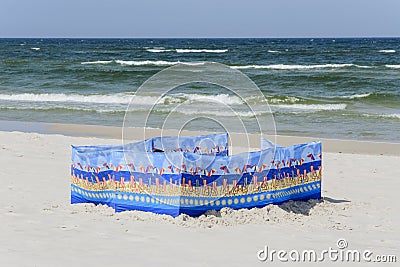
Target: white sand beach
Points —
{"points": [[270, 74], [40, 228]]}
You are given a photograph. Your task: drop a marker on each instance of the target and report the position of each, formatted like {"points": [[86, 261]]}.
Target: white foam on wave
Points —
{"points": [[393, 66], [189, 98], [275, 66], [273, 51], [146, 62], [141, 63], [114, 99], [394, 116], [363, 67], [314, 107], [119, 102], [387, 51], [35, 48], [69, 108], [123, 98], [355, 96], [222, 113], [220, 98], [386, 116], [161, 50], [201, 50], [47, 108], [97, 62], [120, 98], [297, 67], [288, 99]]}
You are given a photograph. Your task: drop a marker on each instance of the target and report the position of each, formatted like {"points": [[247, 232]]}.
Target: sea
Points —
{"points": [[332, 88]]}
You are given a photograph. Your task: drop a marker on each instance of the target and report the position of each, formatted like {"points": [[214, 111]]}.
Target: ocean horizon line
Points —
{"points": [[198, 38]]}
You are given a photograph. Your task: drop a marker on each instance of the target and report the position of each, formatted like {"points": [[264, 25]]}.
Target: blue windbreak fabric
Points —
{"points": [[193, 175]]}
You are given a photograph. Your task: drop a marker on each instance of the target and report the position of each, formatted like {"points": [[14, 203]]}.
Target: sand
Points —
{"points": [[40, 228]]}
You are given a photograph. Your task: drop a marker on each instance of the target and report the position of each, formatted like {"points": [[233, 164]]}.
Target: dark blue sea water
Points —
{"points": [[338, 88]]}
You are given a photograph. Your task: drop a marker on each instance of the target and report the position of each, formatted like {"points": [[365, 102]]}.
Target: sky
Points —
{"points": [[201, 18]]}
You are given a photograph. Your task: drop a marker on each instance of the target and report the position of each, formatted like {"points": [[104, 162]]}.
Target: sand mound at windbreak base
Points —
{"points": [[288, 212]]}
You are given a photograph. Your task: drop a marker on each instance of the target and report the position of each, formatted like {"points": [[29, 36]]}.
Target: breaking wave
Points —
{"points": [[298, 67], [393, 66], [140, 63], [387, 51], [312, 107], [159, 50]]}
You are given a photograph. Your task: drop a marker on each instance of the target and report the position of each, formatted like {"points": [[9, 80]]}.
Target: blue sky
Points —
{"points": [[202, 18]]}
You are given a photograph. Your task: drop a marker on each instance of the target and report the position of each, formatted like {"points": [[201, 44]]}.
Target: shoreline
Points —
{"points": [[253, 142]]}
